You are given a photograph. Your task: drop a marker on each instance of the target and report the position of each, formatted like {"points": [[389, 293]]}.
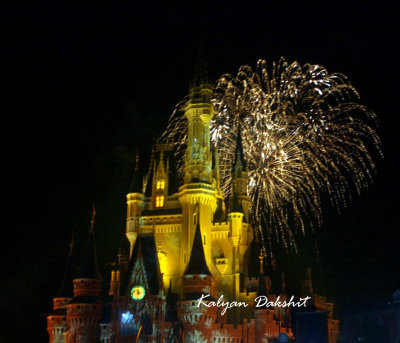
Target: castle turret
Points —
{"points": [[239, 208], [135, 200], [197, 319], [263, 315], [220, 212], [240, 199], [84, 311], [57, 324], [235, 219]]}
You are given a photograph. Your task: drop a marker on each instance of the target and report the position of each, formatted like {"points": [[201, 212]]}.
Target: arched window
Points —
{"points": [[160, 184], [159, 201]]}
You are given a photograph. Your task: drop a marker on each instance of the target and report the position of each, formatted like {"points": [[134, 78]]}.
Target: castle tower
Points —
{"points": [[57, 321], [197, 319], [199, 190], [135, 199], [85, 309]]}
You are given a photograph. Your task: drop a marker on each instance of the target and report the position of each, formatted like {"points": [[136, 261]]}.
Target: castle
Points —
{"points": [[185, 241]]}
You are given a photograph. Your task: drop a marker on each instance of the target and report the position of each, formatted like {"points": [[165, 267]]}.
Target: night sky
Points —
{"points": [[84, 87]]}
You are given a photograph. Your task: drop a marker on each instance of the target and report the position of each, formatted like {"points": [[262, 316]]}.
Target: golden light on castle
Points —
{"points": [[255, 151], [303, 133]]}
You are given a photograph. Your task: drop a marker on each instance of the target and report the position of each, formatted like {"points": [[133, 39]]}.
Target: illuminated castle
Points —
{"points": [[184, 242]]}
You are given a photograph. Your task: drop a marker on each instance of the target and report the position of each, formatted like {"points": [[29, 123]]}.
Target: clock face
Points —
{"points": [[138, 292]]}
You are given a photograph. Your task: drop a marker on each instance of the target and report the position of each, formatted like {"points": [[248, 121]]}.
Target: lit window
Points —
{"points": [[160, 184], [159, 201]]}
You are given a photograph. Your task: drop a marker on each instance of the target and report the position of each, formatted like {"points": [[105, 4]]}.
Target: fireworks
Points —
{"points": [[304, 134]]}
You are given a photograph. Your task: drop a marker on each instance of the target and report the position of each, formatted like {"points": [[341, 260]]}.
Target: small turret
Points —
{"points": [[240, 201], [57, 321], [263, 315], [135, 200], [84, 311]]}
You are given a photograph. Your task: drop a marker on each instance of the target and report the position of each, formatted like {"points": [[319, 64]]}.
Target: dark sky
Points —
{"points": [[84, 86]]}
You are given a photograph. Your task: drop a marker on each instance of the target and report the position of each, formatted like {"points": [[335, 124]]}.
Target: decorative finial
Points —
{"points": [[137, 160], [72, 244], [261, 257], [92, 220], [119, 256]]}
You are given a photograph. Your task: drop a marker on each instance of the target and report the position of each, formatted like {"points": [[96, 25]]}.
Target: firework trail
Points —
{"points": [[304, 134]]}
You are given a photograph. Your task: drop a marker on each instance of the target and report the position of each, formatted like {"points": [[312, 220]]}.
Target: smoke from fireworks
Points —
{"points": [[303, 133]]}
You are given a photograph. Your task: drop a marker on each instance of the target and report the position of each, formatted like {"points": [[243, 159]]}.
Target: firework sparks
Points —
{"points": [[304, 134]]}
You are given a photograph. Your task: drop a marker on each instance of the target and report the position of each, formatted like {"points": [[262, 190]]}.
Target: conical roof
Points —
{"points": [[145, 249], [66, 286], [197, 263], [240, 162], [88, 260], [201, 73], [136, 181]]}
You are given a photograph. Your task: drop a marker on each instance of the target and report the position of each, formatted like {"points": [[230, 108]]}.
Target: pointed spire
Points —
{"points": [[136, 182], [88, 267], [200, 74], [240, 164], [235, 205], [66, 289], [197, 262], [262, 287], [92, 220], [261, 257], [72, 244], [137, 161], [160, 168], [119, 257]]}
